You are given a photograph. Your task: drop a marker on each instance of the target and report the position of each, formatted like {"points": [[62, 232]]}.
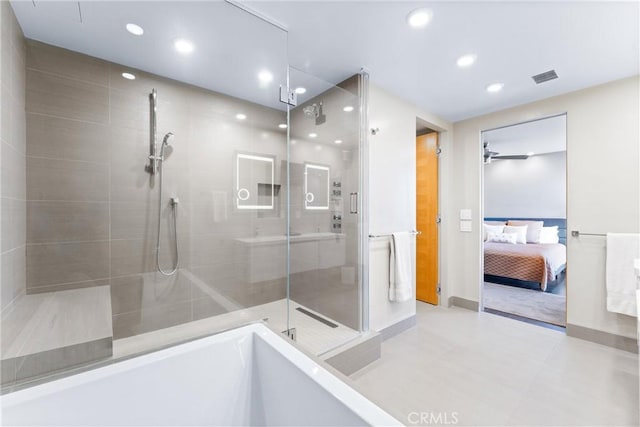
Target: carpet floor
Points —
{"points": [[527, 303]]}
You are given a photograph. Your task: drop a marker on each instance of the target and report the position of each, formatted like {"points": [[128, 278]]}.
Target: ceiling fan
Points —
{"points": [[493, 155]]}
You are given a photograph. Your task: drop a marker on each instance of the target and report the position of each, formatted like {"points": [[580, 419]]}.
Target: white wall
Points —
{"points": [[532, 188], [392, 193], [603, 159]]}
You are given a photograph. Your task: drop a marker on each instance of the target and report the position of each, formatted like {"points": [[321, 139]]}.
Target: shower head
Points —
{"points": [[314, 111], [310, 111], [168, 139]]}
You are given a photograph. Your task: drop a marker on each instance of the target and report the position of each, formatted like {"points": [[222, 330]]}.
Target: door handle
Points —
{"points": [[353, 203]]}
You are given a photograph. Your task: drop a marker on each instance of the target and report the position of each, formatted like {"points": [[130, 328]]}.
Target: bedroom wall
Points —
{"points": [[532, 188], [603, 149], [392, 195]]}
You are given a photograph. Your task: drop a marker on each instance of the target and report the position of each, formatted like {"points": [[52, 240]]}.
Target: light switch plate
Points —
{"points": [[465, 226], [465, 214]]}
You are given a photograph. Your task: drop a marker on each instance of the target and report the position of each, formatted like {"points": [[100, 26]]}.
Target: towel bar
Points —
{"points": [[577, 233], [373, 236]]}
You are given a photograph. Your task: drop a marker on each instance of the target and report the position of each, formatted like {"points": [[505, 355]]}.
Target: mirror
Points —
{"points": [[316, 187], [255, 181]]}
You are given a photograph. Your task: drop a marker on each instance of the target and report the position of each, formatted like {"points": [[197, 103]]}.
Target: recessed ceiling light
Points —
{"points": [[530, 153], [419, 18], [183, 46], [265, 76], [313, 135], [282, 125], [495, 87], [348, 108], [338, 141], [300, 90], [241, 116], [134, 29], [128, 76], [467, 60]]}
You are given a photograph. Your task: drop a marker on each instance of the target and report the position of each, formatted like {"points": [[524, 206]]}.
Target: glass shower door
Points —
{"points": [[324, 189]]}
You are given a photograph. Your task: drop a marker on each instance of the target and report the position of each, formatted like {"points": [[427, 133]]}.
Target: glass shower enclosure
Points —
{"points": [[255, 198]]}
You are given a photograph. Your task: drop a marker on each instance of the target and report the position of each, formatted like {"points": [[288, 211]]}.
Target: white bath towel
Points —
{"points": [[622, 249], [400, 279]]}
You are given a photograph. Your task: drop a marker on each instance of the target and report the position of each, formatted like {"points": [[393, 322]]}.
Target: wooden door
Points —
{"points": [[426, 218]]}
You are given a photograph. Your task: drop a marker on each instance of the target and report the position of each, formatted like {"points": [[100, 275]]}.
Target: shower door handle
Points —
{"points": [[353, 203]]}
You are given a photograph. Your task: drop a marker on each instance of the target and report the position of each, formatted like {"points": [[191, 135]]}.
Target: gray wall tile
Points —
{"points": [[62, 97], [63, 62], [59, 263], [65, 139], [50, 179], [13, 223], [134, 220], [67, 221], [12, 164], [149, 290], [132, 256]]}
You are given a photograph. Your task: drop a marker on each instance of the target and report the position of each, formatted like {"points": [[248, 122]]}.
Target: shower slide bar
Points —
{"points": [[412, 232]]}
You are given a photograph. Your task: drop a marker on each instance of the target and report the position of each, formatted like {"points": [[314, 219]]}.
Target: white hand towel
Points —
{"points": [[622, 249], [400, 279]]}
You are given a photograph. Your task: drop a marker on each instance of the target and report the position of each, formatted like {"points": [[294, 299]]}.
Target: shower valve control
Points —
{"points": [[336, 216]]}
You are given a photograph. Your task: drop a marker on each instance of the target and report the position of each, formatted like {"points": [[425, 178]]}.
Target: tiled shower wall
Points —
{"points": [[12, 137], [92, 207]]}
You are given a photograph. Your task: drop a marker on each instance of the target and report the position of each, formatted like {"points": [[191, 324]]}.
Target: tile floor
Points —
{"points": [[485, 370]]}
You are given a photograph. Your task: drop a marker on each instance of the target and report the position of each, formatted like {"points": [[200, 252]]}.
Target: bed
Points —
{"points": [[529, 265]]}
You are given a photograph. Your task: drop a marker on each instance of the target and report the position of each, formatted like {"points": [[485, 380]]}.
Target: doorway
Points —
{"points": [[427, 220], [524, 221]]}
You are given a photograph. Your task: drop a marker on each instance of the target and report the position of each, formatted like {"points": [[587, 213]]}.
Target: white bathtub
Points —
{"points": [[246, 376]]}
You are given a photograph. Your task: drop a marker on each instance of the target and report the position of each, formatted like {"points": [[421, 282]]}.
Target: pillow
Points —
{"points": [[534, 230], [519, 231], [502, 237], [495, 222], [495, 229], [549, 235]]}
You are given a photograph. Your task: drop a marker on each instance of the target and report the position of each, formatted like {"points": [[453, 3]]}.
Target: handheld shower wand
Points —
{"points": [[166, 141], [155, 167]]}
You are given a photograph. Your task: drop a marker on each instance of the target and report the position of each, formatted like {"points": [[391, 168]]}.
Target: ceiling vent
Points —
{"points": [[545, 77]]}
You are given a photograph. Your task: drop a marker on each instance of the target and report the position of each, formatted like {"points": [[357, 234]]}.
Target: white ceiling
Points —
{"points": [[539, 137], [587, 43]]}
